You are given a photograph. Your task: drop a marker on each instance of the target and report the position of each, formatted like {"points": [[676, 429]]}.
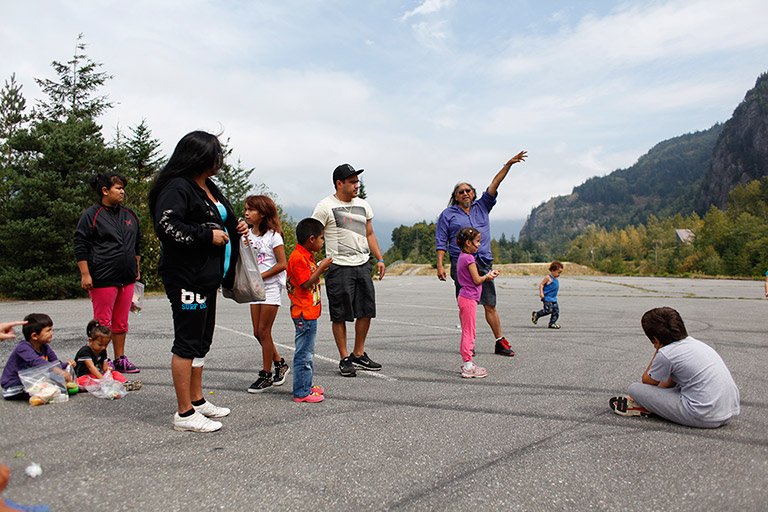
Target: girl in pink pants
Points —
{"points": [[468, 240]]}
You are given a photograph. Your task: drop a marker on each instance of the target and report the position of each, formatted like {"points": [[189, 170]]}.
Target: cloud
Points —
{"points": [[427, 7]]}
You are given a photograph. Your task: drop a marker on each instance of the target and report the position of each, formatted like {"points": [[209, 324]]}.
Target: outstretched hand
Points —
{"points": [[520, 157], [6, 330]]}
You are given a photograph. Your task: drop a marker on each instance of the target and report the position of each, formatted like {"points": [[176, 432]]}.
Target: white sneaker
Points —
{"points": [[211, 411], [195, 423]]}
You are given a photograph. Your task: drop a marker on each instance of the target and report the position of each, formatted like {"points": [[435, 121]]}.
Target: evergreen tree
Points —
{"points": [[73, 92], [59, 152], [142, 161]]}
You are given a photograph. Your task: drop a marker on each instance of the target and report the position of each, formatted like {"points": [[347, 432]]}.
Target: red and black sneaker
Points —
{"points": [[623, 405], [503, 348]]}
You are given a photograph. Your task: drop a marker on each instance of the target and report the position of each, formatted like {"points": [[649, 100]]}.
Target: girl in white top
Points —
{"points": [[266, 238]]}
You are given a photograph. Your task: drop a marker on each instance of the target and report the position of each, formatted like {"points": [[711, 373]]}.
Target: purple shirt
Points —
{"points": [[25, 356], [454, 218], [469, 289]]}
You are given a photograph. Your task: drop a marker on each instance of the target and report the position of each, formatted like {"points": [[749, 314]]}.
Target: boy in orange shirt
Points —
{"points": [[304, 291]]}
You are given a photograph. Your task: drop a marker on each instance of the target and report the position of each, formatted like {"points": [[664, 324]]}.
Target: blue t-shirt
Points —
{"points": [[550, 290], [228, 247]]}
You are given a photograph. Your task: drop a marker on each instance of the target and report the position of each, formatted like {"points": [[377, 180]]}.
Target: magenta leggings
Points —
{"points": [[111, 306], [467, 314]]}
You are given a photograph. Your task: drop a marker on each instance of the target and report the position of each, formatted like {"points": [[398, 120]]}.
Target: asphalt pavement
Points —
{"points": [[536, 434]]}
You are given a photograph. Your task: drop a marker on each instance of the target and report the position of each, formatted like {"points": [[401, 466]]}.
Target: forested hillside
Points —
{"points": [[682, 175], [665, 181]]}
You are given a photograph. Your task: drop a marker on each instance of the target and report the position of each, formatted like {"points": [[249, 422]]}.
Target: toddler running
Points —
{"points": [[548, 289]]}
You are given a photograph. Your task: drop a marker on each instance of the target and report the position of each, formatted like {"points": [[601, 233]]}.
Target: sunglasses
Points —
{"points": [[464, 191]]}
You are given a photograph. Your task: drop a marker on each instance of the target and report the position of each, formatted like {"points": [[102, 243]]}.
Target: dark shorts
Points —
{"points": [[488, 293], [194, 318], [350, 292]]}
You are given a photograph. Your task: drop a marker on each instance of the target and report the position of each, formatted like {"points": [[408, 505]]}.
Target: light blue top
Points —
{"points": [[228, 247]]}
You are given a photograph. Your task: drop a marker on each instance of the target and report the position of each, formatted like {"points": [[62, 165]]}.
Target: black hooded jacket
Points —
{"points": [[184, 221]]}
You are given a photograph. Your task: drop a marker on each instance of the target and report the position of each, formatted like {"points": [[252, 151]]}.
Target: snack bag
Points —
{"points": [[106, 387], [138, 298], [44, 385]]}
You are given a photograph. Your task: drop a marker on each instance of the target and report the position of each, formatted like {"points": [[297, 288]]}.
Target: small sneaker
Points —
{"points": [[503, 348], [195, 423], [263, 383], [364, 362], [281, 370], [623, 405], [553, 326], [473, 371], [132, 385], [211, 411], [123, 365], [534, 317], [311, 398], [316, 389], [346, 368], [110, 365]]}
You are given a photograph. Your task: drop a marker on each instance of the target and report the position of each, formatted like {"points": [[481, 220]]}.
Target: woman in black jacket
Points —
{"points": [[199, 236], [107, 248]]}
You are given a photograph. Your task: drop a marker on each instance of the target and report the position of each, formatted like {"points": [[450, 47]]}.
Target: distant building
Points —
{"points": [[685, 236]]}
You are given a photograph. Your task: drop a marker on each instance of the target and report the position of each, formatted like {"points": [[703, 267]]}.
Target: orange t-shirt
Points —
{"points": [[301, 264]]}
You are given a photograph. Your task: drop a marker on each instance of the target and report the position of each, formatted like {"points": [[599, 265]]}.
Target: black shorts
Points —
{"points": [[488, 293], [350, 292], [194, 318]]}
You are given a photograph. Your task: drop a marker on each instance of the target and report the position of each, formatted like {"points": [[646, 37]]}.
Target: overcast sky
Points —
{"points": [[419, 93]]}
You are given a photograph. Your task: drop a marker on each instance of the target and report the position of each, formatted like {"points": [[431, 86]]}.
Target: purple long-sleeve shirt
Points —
{"points": [[454, 218], [24, 356]]}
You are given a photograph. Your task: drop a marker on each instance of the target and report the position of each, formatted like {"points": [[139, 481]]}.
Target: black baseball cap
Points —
{"points": [[344, 171]]}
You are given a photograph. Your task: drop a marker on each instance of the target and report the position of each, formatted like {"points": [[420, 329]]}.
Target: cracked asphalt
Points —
{"points": [[536, 434]]}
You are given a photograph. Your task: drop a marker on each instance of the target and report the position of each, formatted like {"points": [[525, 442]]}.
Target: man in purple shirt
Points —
{"points": [[464, 210]]}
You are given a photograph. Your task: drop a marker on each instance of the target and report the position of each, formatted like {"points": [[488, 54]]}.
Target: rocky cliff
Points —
{"points": [[741, 152]]}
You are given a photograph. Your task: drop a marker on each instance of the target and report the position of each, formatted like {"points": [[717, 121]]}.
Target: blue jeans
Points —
{"points": [[303, 368], [550, 308]]}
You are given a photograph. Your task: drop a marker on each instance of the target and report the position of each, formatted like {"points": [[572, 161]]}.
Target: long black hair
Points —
{"points": [[197, 152]]}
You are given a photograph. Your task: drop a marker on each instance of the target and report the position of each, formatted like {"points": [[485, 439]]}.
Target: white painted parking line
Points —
{"points": [[317, 356]]}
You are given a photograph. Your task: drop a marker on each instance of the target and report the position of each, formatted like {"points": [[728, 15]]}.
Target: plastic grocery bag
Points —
{"points": [[248, 286], [44, 385], [138, 297], [106, 387]]}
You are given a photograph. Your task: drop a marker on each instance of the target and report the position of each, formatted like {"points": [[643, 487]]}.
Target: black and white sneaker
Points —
{"points": [[364, 362], [346, 368], [263, 383], [281, 370]]}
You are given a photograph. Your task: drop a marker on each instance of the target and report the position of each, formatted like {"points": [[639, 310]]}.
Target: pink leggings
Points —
{"points": [[111, 306], [467, 314]]}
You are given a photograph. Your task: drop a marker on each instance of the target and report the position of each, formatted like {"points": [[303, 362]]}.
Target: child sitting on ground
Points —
{"points": [[686, 382], [33, 350], [91, 359], [548, 294], [304, 292]]}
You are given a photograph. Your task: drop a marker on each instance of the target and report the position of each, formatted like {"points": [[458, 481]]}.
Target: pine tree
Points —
{"points": [[58, 153], [73, 93]]}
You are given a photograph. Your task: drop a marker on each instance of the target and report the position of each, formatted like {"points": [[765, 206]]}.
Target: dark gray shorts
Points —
{"points": [[488, 293], [350, 292]]}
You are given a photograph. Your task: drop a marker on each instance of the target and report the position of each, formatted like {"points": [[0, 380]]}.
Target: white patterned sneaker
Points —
{"points": [[195, 423], [211, 411], [473, 371]]}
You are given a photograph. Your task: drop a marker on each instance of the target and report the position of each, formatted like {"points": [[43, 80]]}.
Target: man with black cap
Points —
{"points": [[350, 241]]}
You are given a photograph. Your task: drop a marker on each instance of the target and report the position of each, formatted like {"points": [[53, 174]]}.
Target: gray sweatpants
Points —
{"points": [[668, 403]]}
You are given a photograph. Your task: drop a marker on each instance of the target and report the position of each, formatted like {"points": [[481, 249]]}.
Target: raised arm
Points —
{"points": [[493, 188]]}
